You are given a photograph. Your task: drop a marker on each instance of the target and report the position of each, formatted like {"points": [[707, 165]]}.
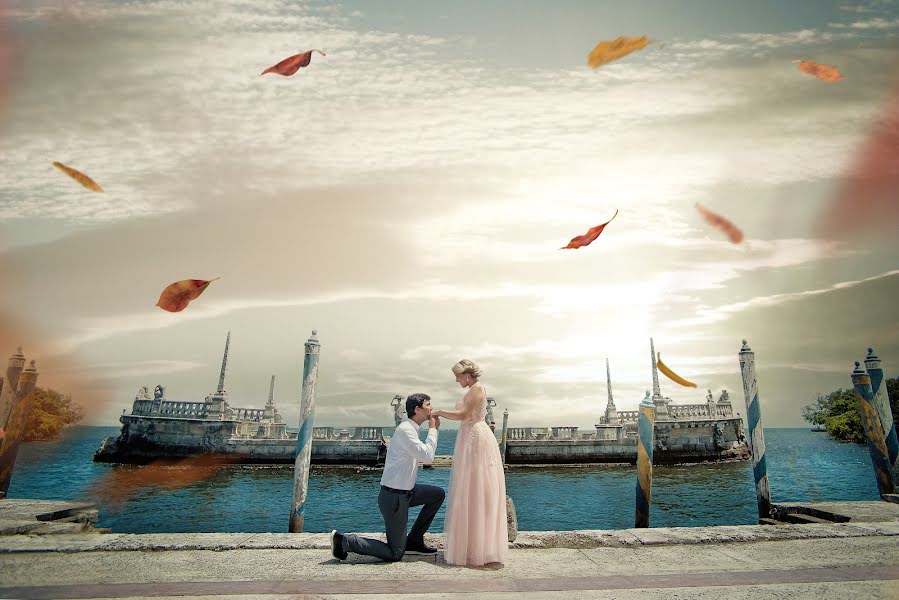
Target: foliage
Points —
{"points": [[838, 413], [50, 413]]}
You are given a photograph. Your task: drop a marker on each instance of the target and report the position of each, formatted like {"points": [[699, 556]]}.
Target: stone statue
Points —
{"points": [[724, 398], [399, 409], [159, 393], [718, 436], [143, 393], [710, 397]]}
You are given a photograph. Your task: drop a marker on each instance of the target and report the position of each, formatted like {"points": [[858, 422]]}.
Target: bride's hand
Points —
{"points": [[436, 413]]}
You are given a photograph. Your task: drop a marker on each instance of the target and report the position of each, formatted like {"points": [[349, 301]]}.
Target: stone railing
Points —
{"points": [[369, 433], [529, 433], [182, 409], [333, 433], [628, 416], [565, 433], [248, 414], [689, 411]]}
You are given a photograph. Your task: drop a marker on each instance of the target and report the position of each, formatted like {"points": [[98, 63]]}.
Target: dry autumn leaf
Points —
{"points": [[716, 220], [587, 238], [79, 177], [866, 199], [609, 50], [292, 64], [822, 72], [671, 374], [178, 295]]}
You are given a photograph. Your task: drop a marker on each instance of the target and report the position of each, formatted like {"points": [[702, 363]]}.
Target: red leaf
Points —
{"points": [[716, 220], [822, 72], [178, 295], [292, 64], [587, 238], [867, 199]]}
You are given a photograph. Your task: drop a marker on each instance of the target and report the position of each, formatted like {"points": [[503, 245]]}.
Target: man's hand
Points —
{"points": [[434, 422]]}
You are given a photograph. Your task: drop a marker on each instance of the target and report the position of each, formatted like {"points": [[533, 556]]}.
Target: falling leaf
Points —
{"points": [[867, 199], [79, 177], [178, 295], [587, 238], [822, 72], [292, 64], [671, 374], [716, 220], [607, 51]]}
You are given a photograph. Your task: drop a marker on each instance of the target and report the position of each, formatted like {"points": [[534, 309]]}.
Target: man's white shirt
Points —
{"points": [[404, 453]]}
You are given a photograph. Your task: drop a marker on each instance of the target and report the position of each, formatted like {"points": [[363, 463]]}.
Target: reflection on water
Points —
{"points": [[803, 466]]}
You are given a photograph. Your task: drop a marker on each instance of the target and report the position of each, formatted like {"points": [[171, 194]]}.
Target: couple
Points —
{"points": [[475, 525]]}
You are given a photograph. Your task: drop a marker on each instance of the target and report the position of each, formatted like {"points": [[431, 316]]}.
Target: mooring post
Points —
{"points": [[304, 436], [16, 399], [882, 406], [756, 433], [645, 443], [877, 446], [505, 434]]}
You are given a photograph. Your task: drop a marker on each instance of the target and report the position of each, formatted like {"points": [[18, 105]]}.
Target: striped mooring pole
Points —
{"points": [[882, 406], [16, 399], [756, 434], [505, 439], [877, 445], [304, 436], [645, 443]]}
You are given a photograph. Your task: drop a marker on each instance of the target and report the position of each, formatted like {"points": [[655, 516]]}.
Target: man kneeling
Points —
{"points": [[399, 491]]}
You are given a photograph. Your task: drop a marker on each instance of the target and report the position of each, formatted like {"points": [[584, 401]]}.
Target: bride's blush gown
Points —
{"points": [[475, 525]]}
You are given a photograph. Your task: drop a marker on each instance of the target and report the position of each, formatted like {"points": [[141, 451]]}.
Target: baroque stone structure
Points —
{"points": [[684, 433], [158, 427]]}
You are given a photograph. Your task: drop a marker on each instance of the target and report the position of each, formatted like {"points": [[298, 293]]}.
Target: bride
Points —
{"points": [[475, 522]]}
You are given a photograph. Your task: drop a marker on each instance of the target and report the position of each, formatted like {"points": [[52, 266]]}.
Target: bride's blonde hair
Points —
{"points": [[467, 366]]}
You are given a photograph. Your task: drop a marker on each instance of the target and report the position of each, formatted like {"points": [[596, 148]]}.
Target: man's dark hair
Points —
{"points": [[415, 401]]}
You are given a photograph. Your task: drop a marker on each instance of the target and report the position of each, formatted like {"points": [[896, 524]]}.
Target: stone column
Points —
{"points": [[882, 406], [18, 390], [304, 437], [756, 433], [505, 433], [877, 446], [645, 443]]}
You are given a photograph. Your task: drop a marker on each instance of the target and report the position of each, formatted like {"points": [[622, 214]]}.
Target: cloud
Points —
{"points": [[875, 23]]}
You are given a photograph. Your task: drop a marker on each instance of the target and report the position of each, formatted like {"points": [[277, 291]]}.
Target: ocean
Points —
{"points": [[802, 466]]}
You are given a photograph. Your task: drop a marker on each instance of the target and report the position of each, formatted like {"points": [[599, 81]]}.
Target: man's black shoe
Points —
{"points": [[420, 548], [337, 545]]}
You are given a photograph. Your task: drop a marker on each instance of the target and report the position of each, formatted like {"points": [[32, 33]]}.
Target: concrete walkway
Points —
{"points": [[856, 559]]}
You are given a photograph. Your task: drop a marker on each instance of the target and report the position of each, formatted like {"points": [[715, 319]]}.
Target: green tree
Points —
{"points": [[50, 413], [838, 413]]}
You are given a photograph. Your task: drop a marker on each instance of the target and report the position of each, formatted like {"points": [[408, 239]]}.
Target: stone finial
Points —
{"points": [[745, 347], [858, 369], [872, 361], [31, 367], [221, 388], [656, 391]]}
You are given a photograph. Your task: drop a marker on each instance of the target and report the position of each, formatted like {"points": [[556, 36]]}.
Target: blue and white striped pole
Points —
{"points": [[645, 443], [304, 437], [882, 406], [756, 433], [877, 445]]}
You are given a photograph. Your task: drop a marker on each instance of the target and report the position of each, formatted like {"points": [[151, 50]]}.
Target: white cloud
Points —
{"points": [[875, 23]]}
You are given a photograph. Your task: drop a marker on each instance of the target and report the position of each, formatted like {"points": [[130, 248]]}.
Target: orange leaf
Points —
{"points": [[587, 238], [79, 177], [178, 295], [607, 51], [292, 64], [822, 72], [716, 220], [866, 199]]}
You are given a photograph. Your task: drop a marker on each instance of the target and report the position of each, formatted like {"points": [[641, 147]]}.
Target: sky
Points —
{"points": [[407, 196]]}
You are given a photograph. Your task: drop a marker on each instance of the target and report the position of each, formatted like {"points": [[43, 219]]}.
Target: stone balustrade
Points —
{"points": [[565, 433], [248, 414], [369, 433], [182, 409]]}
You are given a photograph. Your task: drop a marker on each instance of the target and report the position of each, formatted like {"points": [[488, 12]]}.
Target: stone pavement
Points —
{"points": [[815, 561]]}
